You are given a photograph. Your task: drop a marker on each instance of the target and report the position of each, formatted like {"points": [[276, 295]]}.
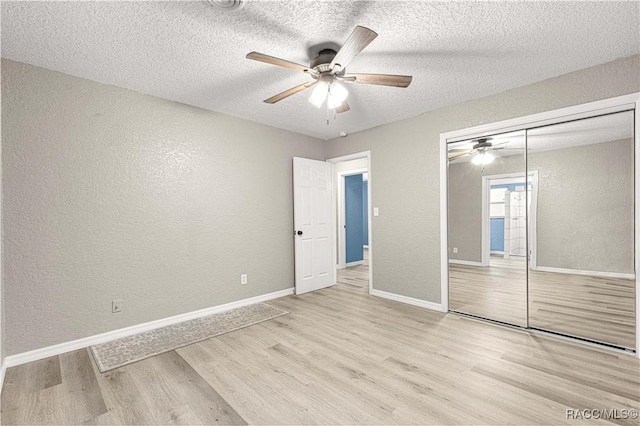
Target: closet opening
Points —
{"points": [[540, 219]]}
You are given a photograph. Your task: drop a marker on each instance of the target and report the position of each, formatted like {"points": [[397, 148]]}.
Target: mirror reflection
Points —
{"points": [[581, 279], [541, 228], [487, 227]]}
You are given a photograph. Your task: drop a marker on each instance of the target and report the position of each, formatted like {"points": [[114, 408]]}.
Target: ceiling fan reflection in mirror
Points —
{"points": [[481, 151], [328, 70]]}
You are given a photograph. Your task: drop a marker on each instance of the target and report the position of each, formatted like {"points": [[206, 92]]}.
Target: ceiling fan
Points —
{"points": [[328, 69], [481, 150]]}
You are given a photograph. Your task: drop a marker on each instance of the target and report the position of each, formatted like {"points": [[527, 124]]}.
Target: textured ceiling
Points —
{"points": [[193, 53]]}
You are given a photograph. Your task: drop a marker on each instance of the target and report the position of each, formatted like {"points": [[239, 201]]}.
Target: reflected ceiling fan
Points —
{"points": [[481, 150], [328, 69]]}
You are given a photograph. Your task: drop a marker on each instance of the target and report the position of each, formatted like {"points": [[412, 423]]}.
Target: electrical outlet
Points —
{"points": [[243, 279], [116, 306], [455, 249]]}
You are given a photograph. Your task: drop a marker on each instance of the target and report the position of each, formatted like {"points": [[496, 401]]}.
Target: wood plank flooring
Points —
{"points": [[595, 308], [340, 357]]}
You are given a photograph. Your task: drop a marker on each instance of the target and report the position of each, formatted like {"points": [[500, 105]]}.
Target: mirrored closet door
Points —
{"points": [[581, 267], [541, 228], [487, 198]]}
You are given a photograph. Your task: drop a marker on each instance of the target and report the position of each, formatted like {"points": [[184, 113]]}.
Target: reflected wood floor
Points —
{"points": [[595, 308], [340, 357], [497, 292]]}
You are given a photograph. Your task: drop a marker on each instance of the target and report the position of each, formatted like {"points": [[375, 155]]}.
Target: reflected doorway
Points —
{"points": [[508, 213]]}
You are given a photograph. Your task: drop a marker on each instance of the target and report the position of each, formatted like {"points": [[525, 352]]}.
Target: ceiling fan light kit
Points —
{"points": [[483, 158], [328, 68], [333, 101], [319, 94], [334, 93]]}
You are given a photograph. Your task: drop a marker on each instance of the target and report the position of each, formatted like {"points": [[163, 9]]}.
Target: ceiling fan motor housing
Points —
{"points": [[321, 62], [482, 143]]}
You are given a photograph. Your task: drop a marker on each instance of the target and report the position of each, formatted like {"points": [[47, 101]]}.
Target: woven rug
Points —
{"points": [[127, 350]]}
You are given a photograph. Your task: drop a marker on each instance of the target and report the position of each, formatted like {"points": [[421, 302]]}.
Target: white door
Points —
{"points": [[314, 237]]}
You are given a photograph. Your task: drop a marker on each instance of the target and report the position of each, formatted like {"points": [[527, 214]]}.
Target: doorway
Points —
{"points": [[355, 221], [352, 219], [509, 205]]}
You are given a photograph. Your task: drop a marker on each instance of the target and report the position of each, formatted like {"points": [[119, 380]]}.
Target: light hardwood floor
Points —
{"points": [[595, 308], [340, 357]]}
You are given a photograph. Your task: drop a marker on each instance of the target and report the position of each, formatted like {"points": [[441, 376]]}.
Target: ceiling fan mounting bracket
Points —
{"points": [[482, 143], [322, 62]]}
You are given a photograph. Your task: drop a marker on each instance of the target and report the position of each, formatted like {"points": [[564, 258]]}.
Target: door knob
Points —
{"points": [[299, 232]]}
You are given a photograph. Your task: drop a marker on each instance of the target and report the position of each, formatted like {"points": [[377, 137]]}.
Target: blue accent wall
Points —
{"points": [[353, 218], [497, 234], [365, 213]]}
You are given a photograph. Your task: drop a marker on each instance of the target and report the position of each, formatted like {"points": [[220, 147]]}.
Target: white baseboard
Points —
{"points": [[583, 272], [408, 300], [61, 348], [465, 262], [356, 263]]}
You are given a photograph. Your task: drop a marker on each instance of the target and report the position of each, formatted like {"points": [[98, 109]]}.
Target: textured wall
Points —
{"points": [[405, 161], [110, 194], [585, 206]]}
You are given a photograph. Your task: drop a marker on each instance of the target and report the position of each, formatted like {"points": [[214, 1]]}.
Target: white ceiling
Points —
{"points": [[193, 53]]}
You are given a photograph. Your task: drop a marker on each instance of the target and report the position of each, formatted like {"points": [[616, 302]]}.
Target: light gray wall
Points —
{"points": [[111, 194], [585, 206], [405, 165]]}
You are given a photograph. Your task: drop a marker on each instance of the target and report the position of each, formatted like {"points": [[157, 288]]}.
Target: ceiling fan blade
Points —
{"points": [[460, 156], [379, 79], [460, 150], [261, 57], [344, 107], [357, 41], [292, 91]]}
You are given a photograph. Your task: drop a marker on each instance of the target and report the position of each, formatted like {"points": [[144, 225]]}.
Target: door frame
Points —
{"points": [[586, 110], [348, 157], [340, 211], [486, 217]]}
